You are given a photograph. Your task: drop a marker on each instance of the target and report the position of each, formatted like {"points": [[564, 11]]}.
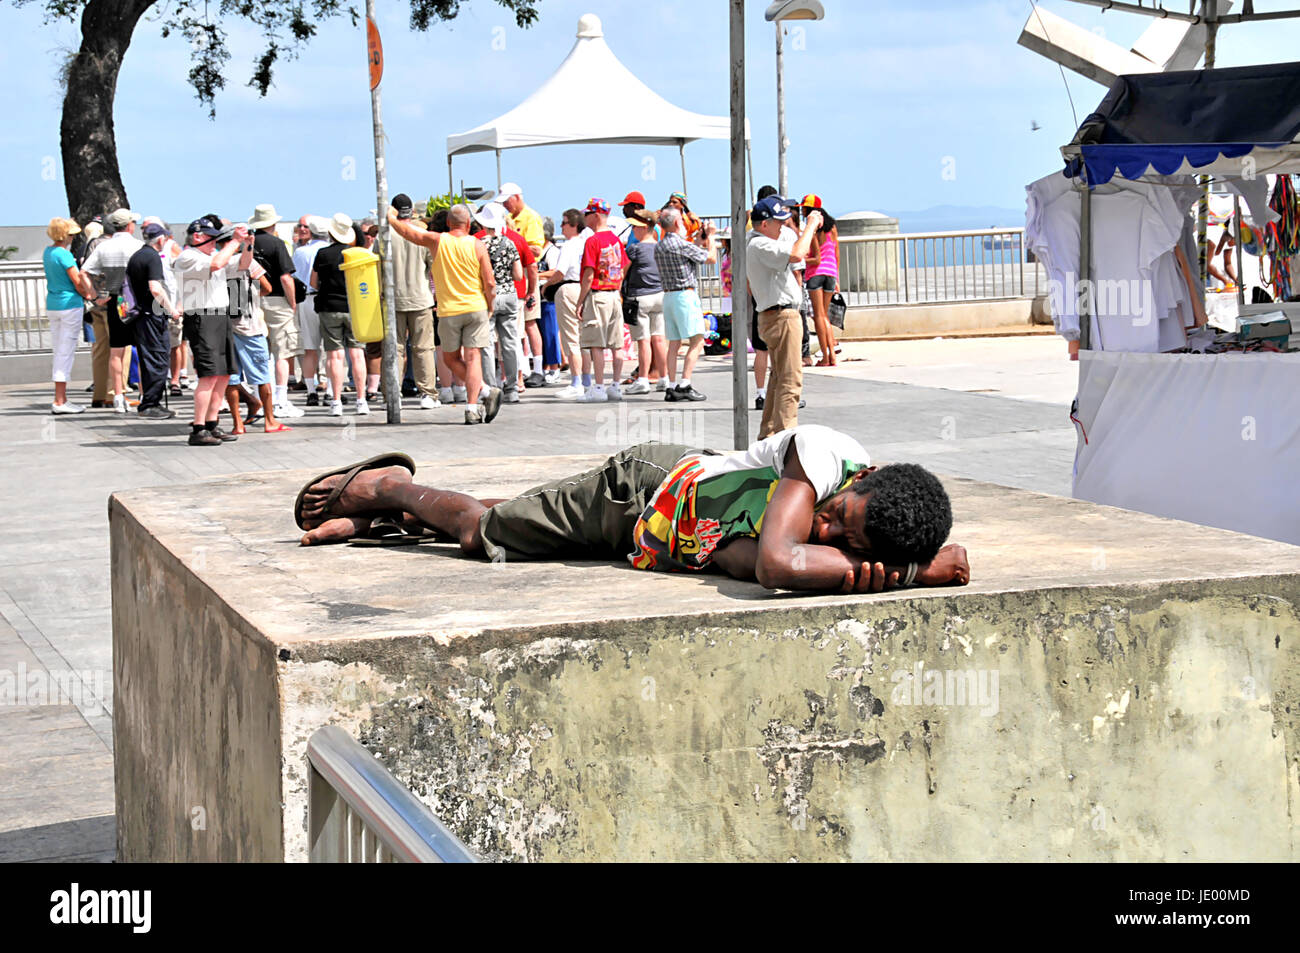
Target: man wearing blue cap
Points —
{"points": [[771, 252]]}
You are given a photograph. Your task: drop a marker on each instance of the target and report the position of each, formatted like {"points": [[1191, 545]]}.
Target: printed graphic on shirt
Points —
{"points": [[697, 509]]}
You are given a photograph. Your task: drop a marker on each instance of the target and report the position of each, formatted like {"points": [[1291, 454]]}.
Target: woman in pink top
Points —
{"points": [[822, 277]]}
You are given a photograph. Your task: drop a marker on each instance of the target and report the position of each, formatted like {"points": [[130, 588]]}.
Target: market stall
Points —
{"points": [[1174, 416]]}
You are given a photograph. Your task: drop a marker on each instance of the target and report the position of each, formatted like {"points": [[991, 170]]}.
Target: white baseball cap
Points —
{"points": [[509, 189], [491, 216]]}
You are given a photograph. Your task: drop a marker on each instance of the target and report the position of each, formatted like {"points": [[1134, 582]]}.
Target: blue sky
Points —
{"points": [[881, 100]]}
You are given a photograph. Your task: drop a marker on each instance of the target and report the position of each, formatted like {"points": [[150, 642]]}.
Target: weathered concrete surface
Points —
{"points": [[1147, 703]]}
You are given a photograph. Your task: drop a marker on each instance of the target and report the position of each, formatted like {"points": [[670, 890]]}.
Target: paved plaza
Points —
{"points": [[993, 409]]}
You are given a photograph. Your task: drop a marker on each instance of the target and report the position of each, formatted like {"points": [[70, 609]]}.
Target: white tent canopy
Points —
{"points": [[641, 116]]}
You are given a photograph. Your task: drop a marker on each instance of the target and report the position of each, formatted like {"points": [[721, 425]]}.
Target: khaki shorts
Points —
{"points": [[566, 317], [470, 329], [535, 312], [602, 321], [649, 317], [336, 330], [281, 328], [308, 326]]}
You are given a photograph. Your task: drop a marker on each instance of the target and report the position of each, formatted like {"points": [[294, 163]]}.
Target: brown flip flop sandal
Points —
{"points": [[391, 529], [350, 472]]}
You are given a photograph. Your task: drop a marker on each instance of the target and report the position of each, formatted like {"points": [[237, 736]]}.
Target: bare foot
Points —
{"points": [[365, 494], [338, 530]]}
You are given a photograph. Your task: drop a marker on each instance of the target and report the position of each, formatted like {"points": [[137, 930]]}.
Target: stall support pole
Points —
{"points": [[1241, 279], [1084, 290], [451, 182], [739, 285], [681, 152], [498, 170], [1203, 204]]}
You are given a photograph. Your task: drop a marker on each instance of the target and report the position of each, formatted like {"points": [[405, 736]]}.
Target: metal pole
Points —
{"points": [[739, 283], [451, 182], [749, 161], [1203, 204], [392, 382], [498, 170], [681, 152], [1241, 278], [782, 179], [1084, 291]]}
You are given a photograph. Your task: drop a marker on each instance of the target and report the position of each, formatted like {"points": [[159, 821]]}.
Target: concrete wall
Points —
{"points": [[1147, 706], [866, 323], [196, 730], [1138, 725]]}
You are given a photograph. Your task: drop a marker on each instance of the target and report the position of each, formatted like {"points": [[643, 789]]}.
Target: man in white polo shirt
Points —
{"points": [[772, 250], [214, 252]]}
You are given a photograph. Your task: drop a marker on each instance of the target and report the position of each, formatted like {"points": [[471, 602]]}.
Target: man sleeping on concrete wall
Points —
{"points": [[803, 509]]}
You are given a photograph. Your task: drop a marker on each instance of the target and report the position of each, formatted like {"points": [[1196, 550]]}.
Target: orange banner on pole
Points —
{"points": [[375, 51]]}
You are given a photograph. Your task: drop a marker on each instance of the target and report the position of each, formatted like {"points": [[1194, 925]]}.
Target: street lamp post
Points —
{"points": [[776, 13]]}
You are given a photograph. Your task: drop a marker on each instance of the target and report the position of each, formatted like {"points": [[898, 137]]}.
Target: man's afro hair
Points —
{"points": [[908, 517]]}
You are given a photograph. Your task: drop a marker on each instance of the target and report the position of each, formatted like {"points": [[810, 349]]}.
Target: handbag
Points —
{"points": [[631, 310], [836, 310]]}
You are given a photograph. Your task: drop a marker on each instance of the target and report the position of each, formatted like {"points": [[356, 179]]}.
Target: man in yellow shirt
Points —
{"points": [[465, 288]]}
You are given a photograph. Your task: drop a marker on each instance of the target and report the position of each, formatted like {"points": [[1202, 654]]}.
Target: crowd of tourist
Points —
{"points": [[488, 302]]}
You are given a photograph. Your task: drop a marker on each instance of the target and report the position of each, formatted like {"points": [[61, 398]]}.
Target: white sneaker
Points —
{"points": [[445, 395], [510, 397], [661, 384], [67, 407], [429, 403], [474, 415], [363, 408], [638, 387], [459, 395], [570, 393], [593, 395], [288, 409], [614, 392], [336, 408], [551, 377], [119, 404]]}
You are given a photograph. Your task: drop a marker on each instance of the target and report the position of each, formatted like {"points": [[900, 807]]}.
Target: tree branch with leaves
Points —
{"points": [[88, 143]]}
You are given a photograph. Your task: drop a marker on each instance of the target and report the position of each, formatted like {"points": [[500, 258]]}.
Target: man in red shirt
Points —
{"points": [[526, 288], [604, 263]]}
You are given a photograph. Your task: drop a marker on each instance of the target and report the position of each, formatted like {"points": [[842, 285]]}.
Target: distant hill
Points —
{"points": [[951, 218]]}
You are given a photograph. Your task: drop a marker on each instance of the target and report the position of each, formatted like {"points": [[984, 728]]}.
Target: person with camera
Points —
{"points": [[772, 251], [215, 252], [679, 263], [154, 309]]}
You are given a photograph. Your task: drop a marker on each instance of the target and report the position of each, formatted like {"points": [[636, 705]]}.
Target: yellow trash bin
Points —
{"points": [[361, 269]]}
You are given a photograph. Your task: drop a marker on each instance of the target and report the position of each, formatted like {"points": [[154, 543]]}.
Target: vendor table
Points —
{"points": [[1208, 438]]}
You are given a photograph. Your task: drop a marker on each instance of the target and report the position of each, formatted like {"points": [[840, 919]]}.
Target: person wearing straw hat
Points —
{"points": [[335, 321], [278, 306], [64, 288]]}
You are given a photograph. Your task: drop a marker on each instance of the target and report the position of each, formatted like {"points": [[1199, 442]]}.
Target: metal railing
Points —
{"points": [[359, 813], [24, 325], [919, 268]]}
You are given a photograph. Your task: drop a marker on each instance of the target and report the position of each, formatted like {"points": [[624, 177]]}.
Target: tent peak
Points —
{"points": [[589, 26]]}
